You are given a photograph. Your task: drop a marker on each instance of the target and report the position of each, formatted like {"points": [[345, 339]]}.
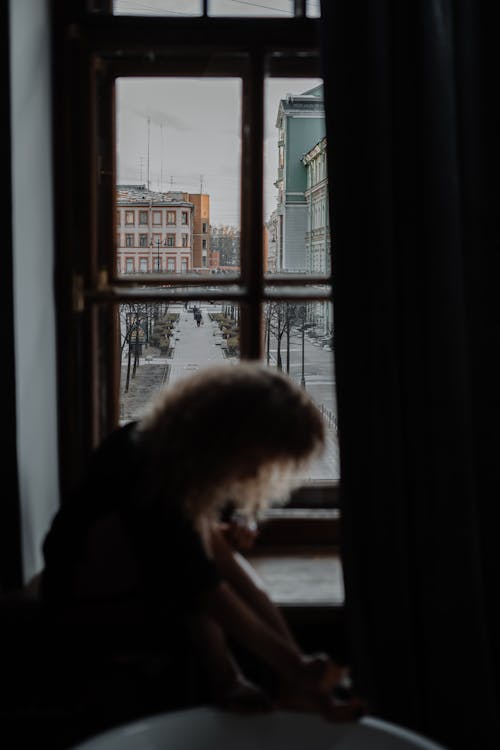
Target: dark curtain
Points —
{"points": [[413, 153]]}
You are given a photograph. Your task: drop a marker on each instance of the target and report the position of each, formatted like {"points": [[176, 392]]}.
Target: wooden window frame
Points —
{"points": [[93, 49]]}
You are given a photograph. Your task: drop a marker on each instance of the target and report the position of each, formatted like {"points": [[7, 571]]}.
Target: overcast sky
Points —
{"points": [[193, 128]]}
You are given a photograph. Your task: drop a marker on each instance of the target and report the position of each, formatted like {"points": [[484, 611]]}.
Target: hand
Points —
{"points": [[319, 674], [240, 533], [322, 690]]}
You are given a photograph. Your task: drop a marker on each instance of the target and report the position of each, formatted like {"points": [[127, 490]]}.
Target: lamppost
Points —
{"points": [[158, 243], [302, 372], [304, 326]]}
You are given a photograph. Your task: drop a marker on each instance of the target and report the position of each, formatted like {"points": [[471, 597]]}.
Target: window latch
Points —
{"points": [[78, 293]]}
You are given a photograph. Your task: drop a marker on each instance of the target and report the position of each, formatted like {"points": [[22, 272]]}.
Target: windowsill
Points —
{"points": [[297, 557]]}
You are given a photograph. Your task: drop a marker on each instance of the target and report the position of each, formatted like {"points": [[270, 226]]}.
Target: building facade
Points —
{"points": [[301, 124], [272, 233], [318, 236], [202, 255], [161, 232]]}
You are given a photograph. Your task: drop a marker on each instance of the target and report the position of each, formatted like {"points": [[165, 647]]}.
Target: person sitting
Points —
{"points": [[137, 554]]}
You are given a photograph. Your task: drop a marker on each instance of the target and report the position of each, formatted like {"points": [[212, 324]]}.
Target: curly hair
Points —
{"points": [[241, 432]]}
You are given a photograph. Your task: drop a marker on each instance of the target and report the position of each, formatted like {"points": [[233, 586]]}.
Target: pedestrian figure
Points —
{"points": [[198, 317]]}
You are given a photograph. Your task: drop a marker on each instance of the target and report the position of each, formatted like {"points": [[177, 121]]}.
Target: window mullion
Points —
{"points": [[252, 237]]}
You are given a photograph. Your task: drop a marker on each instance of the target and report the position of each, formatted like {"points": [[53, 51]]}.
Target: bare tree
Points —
{"points": [[133, 329], [277, 324]]}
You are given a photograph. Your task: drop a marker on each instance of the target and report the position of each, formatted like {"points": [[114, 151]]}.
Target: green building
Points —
{"points": [[301, 125]]}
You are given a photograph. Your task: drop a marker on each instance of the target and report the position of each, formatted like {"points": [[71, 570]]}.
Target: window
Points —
{"points": [[270, 288], [143, 240], [143, 265]]}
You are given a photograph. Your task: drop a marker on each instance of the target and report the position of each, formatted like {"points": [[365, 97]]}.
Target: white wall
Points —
{"points": [[33, 237]]}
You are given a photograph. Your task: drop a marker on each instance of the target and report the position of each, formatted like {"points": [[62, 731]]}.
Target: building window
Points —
{"points": [[143, 217], [156, 217], [118, 218], [184, 265], [130, 265], [129, 217], [185, 240], [143, 240], [171, 264], [129, 240], [204, 244], [170, 240], [204, 227], [170, 217], [143, 265], [184, 217]]}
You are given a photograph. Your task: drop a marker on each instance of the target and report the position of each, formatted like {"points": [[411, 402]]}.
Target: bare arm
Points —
{"points": [[241, 622], [238, 572], [244, 611]]}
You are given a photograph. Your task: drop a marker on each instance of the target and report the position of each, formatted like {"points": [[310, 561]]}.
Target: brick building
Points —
{"points": [[165, 232]]}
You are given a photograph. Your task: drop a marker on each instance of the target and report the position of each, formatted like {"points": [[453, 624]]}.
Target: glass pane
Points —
{"points": [[299, 341], [276, 8], [313, 8], [295, 172], [178, 174], [161, 343], [157, 7]]}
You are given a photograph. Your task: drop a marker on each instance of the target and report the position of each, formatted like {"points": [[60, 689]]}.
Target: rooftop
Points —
{"points": [[127, 194]]}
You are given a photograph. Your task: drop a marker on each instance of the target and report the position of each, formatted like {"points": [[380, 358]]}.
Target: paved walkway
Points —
{"points": [[195, 347]]}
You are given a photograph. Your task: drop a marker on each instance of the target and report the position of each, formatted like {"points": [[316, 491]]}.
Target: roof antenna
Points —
{"points": [[149, 128]]}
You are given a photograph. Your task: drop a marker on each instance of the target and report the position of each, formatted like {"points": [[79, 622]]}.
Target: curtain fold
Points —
{"points": [[413, 161]]}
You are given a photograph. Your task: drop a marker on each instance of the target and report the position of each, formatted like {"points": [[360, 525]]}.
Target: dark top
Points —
{"points": [[109, 546]]}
